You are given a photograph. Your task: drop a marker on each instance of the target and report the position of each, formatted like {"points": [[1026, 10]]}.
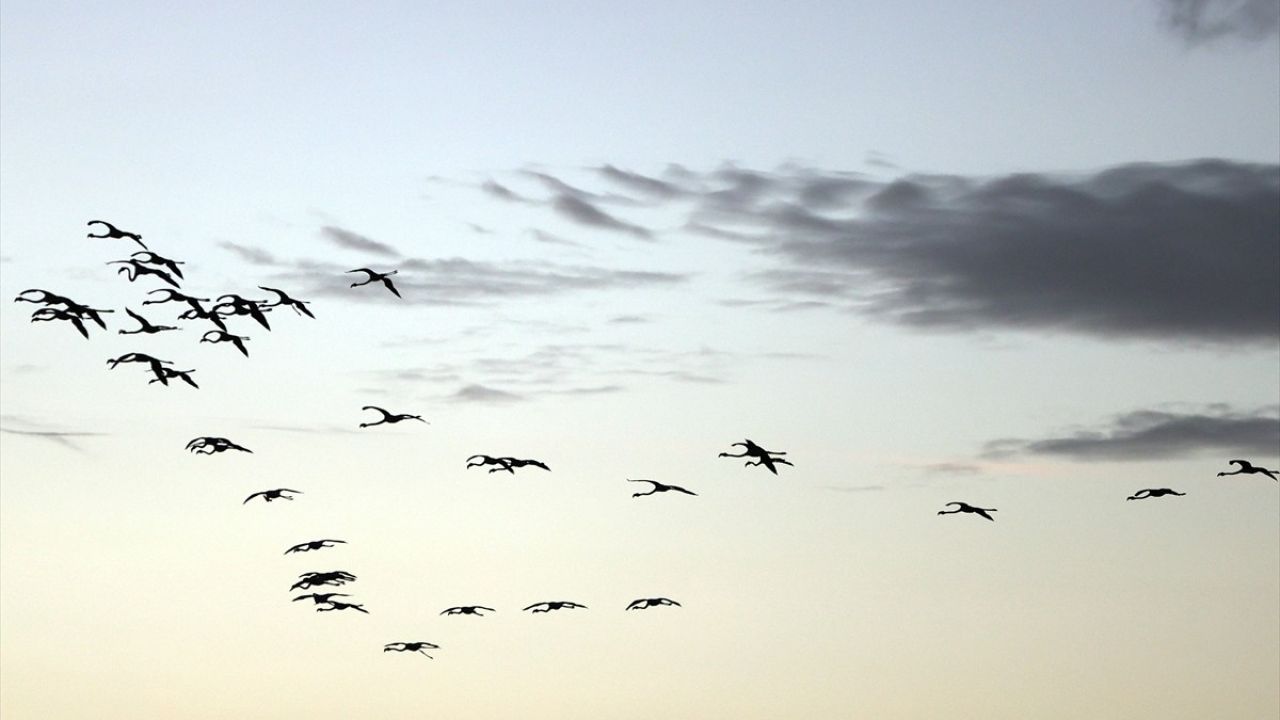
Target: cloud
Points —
{"points": [[1204, 21], [65, 439], [952, 468], [548, 238], [628, 319], [641, 183], [251, 255], [355, 241], [480, 393], [502, 192], [853, 488], [1156, 435], [584, 213]]}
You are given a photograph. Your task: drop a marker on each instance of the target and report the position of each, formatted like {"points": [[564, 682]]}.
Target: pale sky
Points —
{"points": [[1021, 255]]}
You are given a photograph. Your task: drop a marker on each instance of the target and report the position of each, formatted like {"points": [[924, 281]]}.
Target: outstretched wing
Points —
{"points": [[260, 492], [387, 281], [385, 415]]}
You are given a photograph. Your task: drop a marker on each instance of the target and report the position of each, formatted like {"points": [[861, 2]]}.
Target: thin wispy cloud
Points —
{"points": [[641, 183], [584, 213], [1156, 435], [355, 241], [1204, 21], [64, 438], [483, 394], [251, 255], [502, 192]]}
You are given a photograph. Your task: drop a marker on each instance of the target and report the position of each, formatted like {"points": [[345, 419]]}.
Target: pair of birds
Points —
{"points": [[157, 367], [506, 463], [770, 459], [72, 311], [210, 445]]}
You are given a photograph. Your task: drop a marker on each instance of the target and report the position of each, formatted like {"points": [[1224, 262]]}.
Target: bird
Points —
{"points": [[518, 463], [44, 297], [319, 598], [553, 605], [113, 232], [217, 336], [51, 313], [146, 328], [658, 487], [1247, 468], [410, 647], [644, 603], [339, 605], [384, 277], [467, 610], [388, 418], [965, 507], [134, 269], [167, 374], [241, 306], [486, 460], [269, 495], [312, 545], [151, 258], [210, 445], [767, 458], [299, 306], [154, 364], [312, 579], [1152, 492]]}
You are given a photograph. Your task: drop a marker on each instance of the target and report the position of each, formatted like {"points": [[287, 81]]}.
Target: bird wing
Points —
{"points": [[535, 605], [239, 343], [260, 492], [677, 488], [387, 281], [367, 271], [385, 415]]}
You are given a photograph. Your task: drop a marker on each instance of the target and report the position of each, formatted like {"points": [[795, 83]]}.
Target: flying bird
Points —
{"points": [[312, 579], [146, 326], [319, 598], [217, 336], [167, 374], [52, 313], [1152, 492], [151, 258], [644, 603], [269, 495], [486, 460], [553, 605], [467, 610], [410, 647], [658, 487], [44, 297], [388, 418], [154, 364], [965, 507], [312, 545], [241, 306], [299, 306], [339, 605], [384, 277], [1247, 468], [519, 463], [113, 232], [768, 458], [210, 445], [133, 270]]}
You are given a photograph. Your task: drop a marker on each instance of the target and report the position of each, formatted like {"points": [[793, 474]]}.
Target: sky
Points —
{"points": [[1020, 255]]}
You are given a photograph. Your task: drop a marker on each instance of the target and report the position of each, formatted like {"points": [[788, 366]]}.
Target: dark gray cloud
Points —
{"points": [[480, 393], [355, 241], [543, 236], [502, 192], [641, 183], [251, 255], [584, 213], [1203, 21], [1157, 435]]}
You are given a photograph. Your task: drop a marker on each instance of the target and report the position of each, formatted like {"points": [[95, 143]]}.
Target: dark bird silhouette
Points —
{"points": [[167, 374], [52, 313], [269, 495], [417, 647], [518, 463], [44, 297], [299, 306], [113, 232], [768, 458], [486, 460], [1247, 468], [146, 328], [1152, 492], [658, 487], [312, 545], [217, 336], [553, 605], [210, 445], [154, 364], [237, 305], [388, 418], [335, 578], [644, 603], [319, 598], [133, 270], [467, 610], [339, 605], [151, 258], [965, 507], [384, 277]]}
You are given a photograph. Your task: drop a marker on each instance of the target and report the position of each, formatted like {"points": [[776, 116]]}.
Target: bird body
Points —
{"points": [[269, 495], [388, 418], [467, 610], [1152, 492], [1247, 468], [644, 603], [967, 508], [374, 275], [770, 459], [553, 605], [658, 487], [114, 232]]}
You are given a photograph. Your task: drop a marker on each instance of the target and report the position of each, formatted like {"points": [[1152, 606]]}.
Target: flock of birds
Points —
{"points": [[146, 263]]}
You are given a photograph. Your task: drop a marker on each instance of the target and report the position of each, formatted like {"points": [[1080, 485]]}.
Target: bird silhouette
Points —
{"points": [[1152, 492], [384, 277], [644, 603], [519, 463], [658, 487], [154, 364], [113, 232], [320, 598], [151, 258], [417, 647], [208, 445], [269, 495], [237, 305], [133, 270], [312, 545], [553, 605], [467, 610], [768, 458], [313, 579], [965, 507], [339, 605], [486, 460], [1247, 468], [217, 336], [167, 374], [388, 418], [146, 326], [299, 306], [51, 313], [44, 297]]}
